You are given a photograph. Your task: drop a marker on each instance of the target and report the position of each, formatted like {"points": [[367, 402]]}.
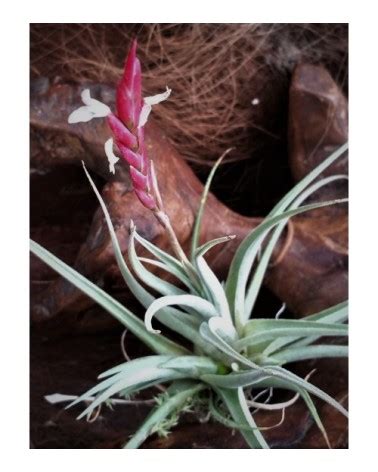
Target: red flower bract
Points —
{"points": [[125, 128]]}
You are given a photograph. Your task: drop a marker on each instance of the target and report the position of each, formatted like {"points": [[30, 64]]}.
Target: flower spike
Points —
{"points": [[128, 135], [129, 91], [127, 126]]}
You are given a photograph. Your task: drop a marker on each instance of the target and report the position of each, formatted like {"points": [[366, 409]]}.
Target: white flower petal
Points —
{"points": [[155, 99], [92, 109], [86, 97], [147, 105], [144, 114], [81, 115], [99, 109], [112, 158]]}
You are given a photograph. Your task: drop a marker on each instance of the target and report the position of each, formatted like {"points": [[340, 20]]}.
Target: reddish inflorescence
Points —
{"points": [[129, 136]]}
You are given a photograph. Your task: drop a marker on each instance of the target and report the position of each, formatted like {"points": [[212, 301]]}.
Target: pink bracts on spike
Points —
{"points": [[126, 131]]}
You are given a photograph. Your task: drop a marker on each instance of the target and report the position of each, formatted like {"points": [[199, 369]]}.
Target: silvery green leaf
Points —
{"points": [[260, 330], [170, 269], [135, 364], [193, 366], [245, 255], [293, 380], [247, 251], [138, 291], [294, 354], [214, 287], [262, 266], [270, 377], [314, 412], [310, 177], [218, 337], [204, 308], [147, 374], [243, 378], [205, 193], [335, 314], [202, 250], [121, 371], [174, 319], [221, 418], [164, 257], [156, 283], [236, 404]]}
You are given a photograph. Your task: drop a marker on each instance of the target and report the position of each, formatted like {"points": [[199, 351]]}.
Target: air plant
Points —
{"points": [[228, 356]]}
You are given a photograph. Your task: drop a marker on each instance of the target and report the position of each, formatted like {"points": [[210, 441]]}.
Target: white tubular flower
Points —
{"points": [[112, 158], [92, 109], [147, 105]]}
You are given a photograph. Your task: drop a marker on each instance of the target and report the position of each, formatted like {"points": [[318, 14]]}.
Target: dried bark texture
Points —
{"points": [[318, 120]]}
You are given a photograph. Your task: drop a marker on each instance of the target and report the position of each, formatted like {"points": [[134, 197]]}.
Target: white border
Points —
{"points": [[14, 230]]}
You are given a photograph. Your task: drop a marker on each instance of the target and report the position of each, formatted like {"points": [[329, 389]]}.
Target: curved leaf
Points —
{"points": [[218, 416], [193, 366], [262, 266], [152, 375], [265, 329], [204, 308], [214, 287], [119, 372], [243, 378], [156, 283], [245, 255], [202, 250], [310, 177], [236, 404], [170, 269], [163, 256], [205, 193], [335, 314], [270, 377], [293, 380], [218, 337]]}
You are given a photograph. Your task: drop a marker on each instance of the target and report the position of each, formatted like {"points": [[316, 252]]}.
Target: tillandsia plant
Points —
{"points": [[228, 358]]}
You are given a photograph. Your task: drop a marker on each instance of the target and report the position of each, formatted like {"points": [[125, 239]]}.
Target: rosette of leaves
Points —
{"points": [[228, 353]]}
